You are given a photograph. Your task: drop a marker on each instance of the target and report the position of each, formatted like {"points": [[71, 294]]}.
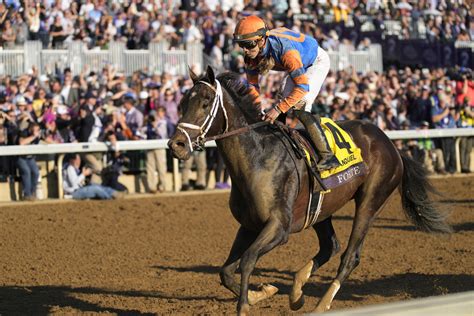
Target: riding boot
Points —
{"points": [[316, 133]]}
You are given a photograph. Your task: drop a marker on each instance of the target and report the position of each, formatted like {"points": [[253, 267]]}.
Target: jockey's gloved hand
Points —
{"points": [[271, 114]]}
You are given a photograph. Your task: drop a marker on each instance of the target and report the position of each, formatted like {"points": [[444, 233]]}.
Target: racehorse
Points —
{"points": [[269, 181]]}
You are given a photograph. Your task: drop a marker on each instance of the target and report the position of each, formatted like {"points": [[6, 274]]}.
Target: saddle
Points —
{"points": [[304, 149]]}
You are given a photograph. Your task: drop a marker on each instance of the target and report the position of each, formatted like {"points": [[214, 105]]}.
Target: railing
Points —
{"points": [[156, 59], [11, 62], [362, 61], [62, 149]]}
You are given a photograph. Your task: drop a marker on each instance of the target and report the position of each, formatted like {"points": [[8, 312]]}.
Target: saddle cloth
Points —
{"points": [[345, 150]]}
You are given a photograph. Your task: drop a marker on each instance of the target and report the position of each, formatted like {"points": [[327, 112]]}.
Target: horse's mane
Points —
{"points": [[239, 91]]}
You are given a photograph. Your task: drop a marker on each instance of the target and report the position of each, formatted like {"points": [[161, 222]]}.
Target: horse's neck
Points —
{"points": [[239, 149]]}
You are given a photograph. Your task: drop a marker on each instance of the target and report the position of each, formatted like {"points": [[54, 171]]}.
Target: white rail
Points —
{"points": [[62, 149], [41, 149]]}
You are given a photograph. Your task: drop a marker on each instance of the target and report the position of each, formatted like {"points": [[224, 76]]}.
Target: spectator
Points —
{"points": [[75, 183], [199, 157], [420, 109], [57, 33], [169, 99], [444, 116], [8, 35], [33, 21], [432, 157], [88, 128], [21, 30], [466, 121], [216, 162], [132, 122], [116, 161], [157, 127], [26, 164]]}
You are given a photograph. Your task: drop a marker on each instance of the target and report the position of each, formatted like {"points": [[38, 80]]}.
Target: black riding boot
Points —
{"points": [[315, 131]]}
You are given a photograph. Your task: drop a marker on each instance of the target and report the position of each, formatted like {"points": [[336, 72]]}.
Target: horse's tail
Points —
{"points": [[418, 207]]}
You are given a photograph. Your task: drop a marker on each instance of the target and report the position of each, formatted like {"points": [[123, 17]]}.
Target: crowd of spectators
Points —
{"points": [[108, 106], [139, 22]]}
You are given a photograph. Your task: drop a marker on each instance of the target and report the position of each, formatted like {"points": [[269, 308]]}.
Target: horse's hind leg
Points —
{"points": [[368, 204], [328, 247], [242, 242]]}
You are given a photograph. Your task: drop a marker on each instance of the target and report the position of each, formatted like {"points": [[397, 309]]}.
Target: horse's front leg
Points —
{"points": [[242, 242], [271, 236]]}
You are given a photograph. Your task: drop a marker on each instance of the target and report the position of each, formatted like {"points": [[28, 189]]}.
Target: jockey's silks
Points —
{"points": [[293, 52]]}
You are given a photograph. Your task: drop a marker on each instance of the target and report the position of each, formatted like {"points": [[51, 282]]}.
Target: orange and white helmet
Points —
{"points": [[250, 28]]}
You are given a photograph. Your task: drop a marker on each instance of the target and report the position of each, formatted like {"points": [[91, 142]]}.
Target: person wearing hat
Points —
{"points": [[420, 110], [306, 64], [90, 99], [63, 124], [133, 120], [142, 101]]}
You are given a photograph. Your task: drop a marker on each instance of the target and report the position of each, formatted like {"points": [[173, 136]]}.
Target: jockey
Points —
{"points": [[306, 64]]}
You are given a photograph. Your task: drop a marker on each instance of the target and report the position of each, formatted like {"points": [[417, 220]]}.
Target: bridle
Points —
{"points": [[218, 102]]}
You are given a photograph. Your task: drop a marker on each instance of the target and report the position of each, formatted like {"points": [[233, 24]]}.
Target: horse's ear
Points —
{"points": [[210, 75], [193, 76]]}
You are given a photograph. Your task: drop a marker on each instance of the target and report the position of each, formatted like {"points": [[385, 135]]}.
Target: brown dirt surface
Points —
{"points": [[162, 254]]}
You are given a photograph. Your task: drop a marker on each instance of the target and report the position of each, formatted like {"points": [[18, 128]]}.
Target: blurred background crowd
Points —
{"points": [[106, 105]]}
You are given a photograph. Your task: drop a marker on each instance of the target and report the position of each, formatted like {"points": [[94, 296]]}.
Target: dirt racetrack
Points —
{"points": [[161, 255]]}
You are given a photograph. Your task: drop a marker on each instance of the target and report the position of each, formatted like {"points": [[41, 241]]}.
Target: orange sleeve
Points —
{"points": [[291, 60]]}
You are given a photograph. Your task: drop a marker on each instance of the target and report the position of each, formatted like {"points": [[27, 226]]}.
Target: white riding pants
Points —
{"points": [[316, 74]]}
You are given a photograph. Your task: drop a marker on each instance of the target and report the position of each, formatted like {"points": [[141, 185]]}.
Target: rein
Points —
{"points": [[236, 131]]}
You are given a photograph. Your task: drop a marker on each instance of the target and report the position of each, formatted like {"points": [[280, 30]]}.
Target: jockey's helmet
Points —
{"points": [[250, 28]]}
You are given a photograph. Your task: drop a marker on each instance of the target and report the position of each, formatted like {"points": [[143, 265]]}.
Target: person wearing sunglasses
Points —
{"points": [[306, 64]]}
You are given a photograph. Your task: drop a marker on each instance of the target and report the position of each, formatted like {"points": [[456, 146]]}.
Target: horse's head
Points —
{"points": [[203, 113]]}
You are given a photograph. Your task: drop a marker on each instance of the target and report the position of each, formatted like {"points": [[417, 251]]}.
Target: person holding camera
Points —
{"points": [[465, 89], [75, 183], [157, 127], [445, 115]]}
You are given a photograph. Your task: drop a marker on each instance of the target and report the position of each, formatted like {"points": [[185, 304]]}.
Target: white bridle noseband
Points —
{"points": [[204, 128]]}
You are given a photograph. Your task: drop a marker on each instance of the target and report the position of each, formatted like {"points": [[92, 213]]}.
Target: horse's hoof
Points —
{"points": [[244, 310], [296, 303], [265, 291], [321, 309]]}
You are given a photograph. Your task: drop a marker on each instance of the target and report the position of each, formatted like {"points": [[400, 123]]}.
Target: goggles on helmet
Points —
{"points": [[247, 44]]}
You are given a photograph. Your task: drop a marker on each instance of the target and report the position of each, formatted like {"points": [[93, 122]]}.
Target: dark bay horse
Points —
{"points": [[268, 181]]}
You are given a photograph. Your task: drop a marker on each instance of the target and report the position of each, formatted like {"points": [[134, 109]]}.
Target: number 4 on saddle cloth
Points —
{"points": [[345, 150]]}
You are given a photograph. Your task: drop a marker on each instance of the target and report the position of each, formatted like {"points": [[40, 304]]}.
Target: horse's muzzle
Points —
{"points": [[179, 148]]}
